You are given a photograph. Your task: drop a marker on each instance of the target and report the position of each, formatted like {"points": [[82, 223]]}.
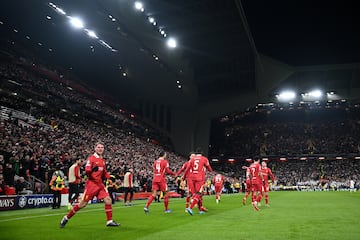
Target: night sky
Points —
{"points": [[296, 32], [303, 32]]}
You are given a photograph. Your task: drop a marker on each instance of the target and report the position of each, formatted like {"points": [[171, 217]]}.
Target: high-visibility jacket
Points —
{"points": [[57, 182]]}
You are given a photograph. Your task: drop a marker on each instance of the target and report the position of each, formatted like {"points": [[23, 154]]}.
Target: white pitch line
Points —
{"points": [[54, 214], [62, 214]]}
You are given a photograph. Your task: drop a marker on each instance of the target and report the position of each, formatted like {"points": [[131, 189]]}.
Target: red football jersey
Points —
{"points": [[218, 179], [266, 172], [161, 166], [255, 172], [96, 177], [197, 166]]}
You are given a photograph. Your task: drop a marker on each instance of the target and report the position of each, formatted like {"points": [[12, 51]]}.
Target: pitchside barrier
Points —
{"points": [[15, 202]]}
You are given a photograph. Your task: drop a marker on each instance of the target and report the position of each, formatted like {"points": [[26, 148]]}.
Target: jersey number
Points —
{"points": [[196, 165], [158, 167]]}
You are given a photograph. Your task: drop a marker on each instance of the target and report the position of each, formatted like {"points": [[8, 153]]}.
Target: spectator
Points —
{"points": [[20, 186]]}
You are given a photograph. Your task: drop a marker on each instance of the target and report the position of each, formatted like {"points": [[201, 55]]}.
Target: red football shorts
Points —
{"points": [[256, 186], [218, 188], [159, 186], [92, 190]]}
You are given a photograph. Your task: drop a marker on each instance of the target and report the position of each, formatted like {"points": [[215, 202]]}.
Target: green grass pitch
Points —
{"points": [[292, 215]]}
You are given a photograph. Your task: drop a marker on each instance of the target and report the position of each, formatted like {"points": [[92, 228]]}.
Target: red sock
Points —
{"points": [[267, 199], [108, 211], [258, 199], [200, 204], [195, 200], [149, 201], [166, 202], [73, 211], [187, 201], [253, 197]]}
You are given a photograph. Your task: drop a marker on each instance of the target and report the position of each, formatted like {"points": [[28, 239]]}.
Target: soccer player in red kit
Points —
{"points": [[95, 169], [161, 166], [188, 180], [197, 167], [266, 172], [256, 183], [247, 184], [218, 182]]}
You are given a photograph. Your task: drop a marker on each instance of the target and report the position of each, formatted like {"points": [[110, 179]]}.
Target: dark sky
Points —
{"points": [[303, 32], [296, 32]]}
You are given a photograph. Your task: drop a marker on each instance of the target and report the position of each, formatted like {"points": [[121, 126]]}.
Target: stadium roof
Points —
{"points": [[119, 51]]}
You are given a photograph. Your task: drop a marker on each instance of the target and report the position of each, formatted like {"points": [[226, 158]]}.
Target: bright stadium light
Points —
{"points": [[286, 96], [139, 6], [59, 10], [91, 34], [172, 43], [151, 19], [315, 93], [76, 22]]}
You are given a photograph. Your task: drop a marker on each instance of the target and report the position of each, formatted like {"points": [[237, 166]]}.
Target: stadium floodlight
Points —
{"points": [[286, 96], [76, 22], [151, 19], [91, 34], [172, 43], [139, 6], [316, 93], [57, 9]]}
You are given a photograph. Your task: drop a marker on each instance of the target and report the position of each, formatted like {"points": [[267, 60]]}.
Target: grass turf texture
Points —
{"points": [[292, 215]]}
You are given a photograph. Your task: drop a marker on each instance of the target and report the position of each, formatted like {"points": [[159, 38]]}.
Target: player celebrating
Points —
{"points": [[218, 182], [188, 180], [248, 185], [197, 166], [95, 168], [266, 172], [256, 183], [161, 166]]}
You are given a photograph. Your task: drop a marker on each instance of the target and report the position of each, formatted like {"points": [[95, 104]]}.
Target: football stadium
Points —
{"points": [[214, 119]]}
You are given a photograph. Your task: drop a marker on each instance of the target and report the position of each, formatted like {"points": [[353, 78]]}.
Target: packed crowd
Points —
{"points": [[311, 173], [35, 151], [29, 150], [290, 132]]}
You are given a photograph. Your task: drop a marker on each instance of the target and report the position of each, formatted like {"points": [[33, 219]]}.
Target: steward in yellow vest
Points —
{"points": [[57, 184]]}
